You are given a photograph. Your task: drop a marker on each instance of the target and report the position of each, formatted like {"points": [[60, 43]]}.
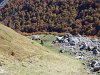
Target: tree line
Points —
{"points": [[73, 16]]}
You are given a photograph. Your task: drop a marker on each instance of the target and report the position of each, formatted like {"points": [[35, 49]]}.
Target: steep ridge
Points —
{"points": [[33, 59]]}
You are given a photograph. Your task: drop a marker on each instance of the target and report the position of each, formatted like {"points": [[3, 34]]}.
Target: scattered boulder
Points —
{"points": [[73, 40], [59, 39], [83, 46], [79, 55], [95, 65], [95, 51], [78, 35], [68, 35], [36, 37], [94, 40]]}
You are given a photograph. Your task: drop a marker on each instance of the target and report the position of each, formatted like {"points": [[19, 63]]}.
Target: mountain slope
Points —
{"points": [[21, 57], [17, 45]]}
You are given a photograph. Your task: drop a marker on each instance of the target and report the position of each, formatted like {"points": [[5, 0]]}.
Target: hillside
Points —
{"points": [[14, 44], [21, 56], [74, 16]]}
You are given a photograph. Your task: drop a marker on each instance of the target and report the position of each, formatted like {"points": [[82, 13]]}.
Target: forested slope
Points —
{"points": [[74, 16]]}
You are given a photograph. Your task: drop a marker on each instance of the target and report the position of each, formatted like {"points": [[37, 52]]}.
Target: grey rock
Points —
{"points": [[36, 37]]}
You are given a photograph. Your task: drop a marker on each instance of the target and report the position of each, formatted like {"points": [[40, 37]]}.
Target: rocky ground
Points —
{"points": [[86, 56]]}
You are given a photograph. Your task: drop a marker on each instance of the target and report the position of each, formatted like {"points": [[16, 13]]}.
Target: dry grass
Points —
{"points": [[36, 60], [11, 41]]}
